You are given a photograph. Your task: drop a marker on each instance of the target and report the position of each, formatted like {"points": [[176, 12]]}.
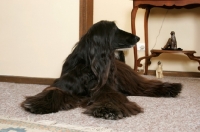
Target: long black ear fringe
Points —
{"points": [[101, 57], [99, 52], [101, 69]]}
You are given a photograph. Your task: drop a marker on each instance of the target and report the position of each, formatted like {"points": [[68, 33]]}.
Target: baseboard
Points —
{"points": [[49, 81], [27, 80], [175, 73]]}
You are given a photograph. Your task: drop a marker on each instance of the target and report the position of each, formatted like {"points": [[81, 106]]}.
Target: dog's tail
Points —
{"points": [[131, 83]]}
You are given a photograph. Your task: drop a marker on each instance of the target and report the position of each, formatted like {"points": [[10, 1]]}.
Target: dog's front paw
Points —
{"points": [[30, 106], [113, 111], [37, 105], [47, 101], [106, 111]]}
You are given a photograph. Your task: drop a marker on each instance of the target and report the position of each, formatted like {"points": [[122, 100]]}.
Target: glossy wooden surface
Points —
{"points": [[85, 16], [145, 3], [173, 51]]}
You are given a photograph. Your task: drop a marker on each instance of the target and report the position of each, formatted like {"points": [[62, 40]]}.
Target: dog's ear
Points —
{"points": [[99, 50], [100, 63]]}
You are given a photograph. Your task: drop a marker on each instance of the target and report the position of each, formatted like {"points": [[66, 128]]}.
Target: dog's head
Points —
{"points": [[108, 34], [124, 39]]}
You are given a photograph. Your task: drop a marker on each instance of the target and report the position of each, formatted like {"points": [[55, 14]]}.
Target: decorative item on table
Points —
{"points": [[159, 71], [171, 43]]}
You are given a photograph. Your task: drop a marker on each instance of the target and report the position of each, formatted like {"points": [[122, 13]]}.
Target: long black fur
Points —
{"points": [[92, 78]]}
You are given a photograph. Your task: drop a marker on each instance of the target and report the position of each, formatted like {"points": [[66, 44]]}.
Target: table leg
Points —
{"points": [[133, 16], [148, 60], [146, 38], [195, 58]]}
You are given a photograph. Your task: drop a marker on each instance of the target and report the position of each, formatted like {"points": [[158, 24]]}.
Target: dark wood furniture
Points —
{"points": [[85, 16], [148, 4], [156, 53]]}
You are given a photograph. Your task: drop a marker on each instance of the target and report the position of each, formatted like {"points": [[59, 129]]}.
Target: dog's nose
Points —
{"points": [[137, 38]]}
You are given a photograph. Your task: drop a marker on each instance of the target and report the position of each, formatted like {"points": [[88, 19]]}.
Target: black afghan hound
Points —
{"points": [[92, 78]]}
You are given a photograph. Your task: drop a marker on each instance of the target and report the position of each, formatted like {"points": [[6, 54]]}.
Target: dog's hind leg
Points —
{"points": [[131, 83], [155, 88], [110, 104], [50, 100]]}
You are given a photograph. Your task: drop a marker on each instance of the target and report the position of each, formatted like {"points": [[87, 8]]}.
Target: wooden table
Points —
{"points": [[148, 4], [156, 53]]}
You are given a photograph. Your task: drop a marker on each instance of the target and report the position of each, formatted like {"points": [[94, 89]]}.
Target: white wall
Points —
{"points": [[185, 23], [36, 36]]}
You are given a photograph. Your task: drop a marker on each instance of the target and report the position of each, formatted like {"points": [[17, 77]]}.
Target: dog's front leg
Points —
{"points": [[50, 100], [110, 104]]}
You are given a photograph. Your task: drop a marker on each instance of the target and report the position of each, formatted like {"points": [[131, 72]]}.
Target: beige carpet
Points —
{"points": [[181, 114]]}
